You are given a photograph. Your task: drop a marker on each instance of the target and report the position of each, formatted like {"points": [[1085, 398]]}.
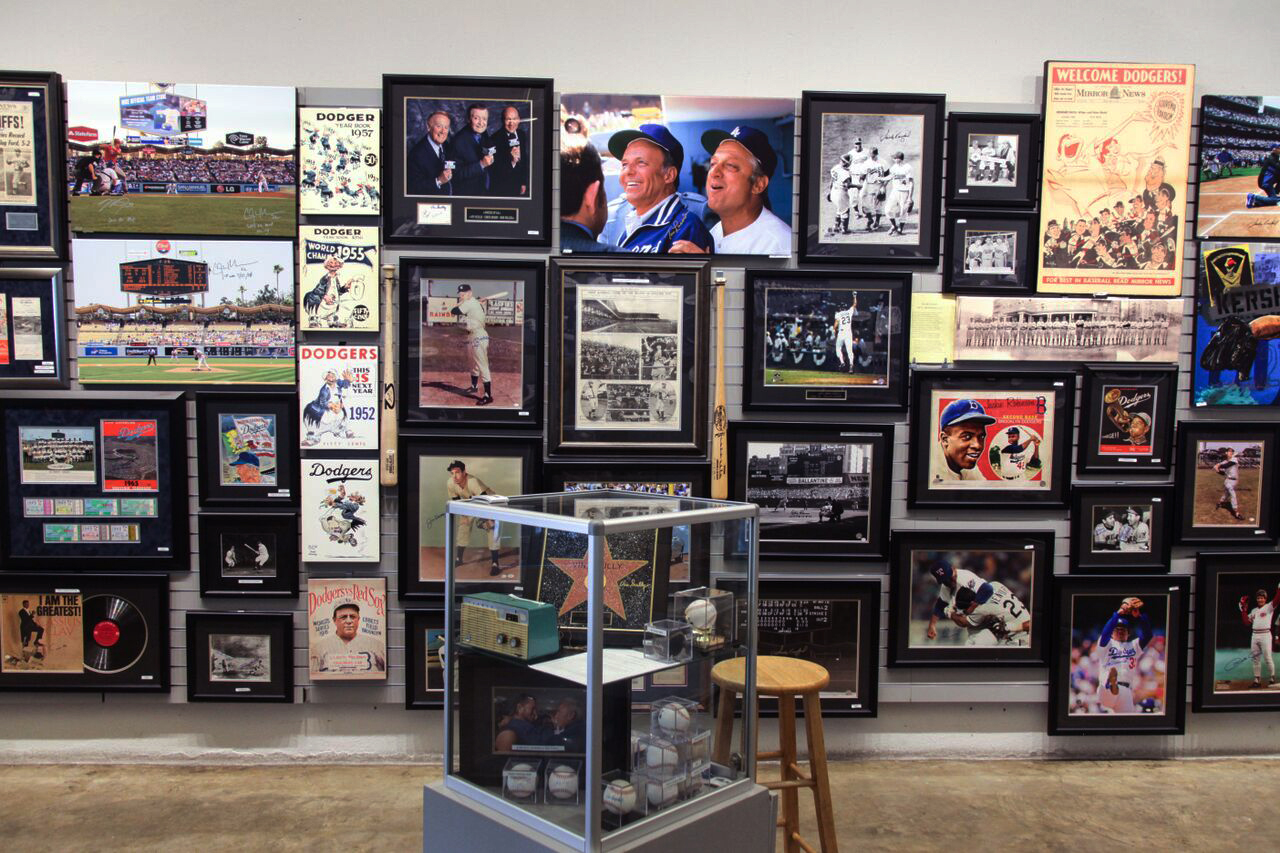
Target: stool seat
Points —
{"points": [[775, 676]]}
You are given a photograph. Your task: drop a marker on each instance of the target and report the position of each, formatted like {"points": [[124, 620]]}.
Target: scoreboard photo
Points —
{"points": [[164, 275]]}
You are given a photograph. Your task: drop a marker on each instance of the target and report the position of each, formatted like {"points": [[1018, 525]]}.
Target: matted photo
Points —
{"points": [[819, 340], [339, 397], [33, 220], [424, 658], [247, 448], [338, 286], [1127, 420], [1226, 476], [339, 151], [990, 439], [1121, 528], [1239, 167], [873, 167], [823, 490], [129, 455], [1119, 329], [33, 326], [239, 657], [347, 629], [1119, 655], [58, 455], [470, 342], [341, 512], [185, 312], [243, 554], [680, 174], [1237, 601], [993, 159], [1236, 361], [1117, 140], [969, 599], [182, 159], [988, 251]]}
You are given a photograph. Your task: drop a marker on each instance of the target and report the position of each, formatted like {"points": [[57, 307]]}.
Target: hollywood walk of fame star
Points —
{"points": [[614, 571]]}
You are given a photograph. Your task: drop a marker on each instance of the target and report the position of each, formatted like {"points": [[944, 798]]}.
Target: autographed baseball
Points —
{"points": [[619, 796], [673, 718], [661, 755], [562, 782], [521, 781], [701, 614]]}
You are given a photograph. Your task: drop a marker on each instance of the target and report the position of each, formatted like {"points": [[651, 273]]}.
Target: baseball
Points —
{"points": [[662, 794], [673, 718], [701, 614], [620, 796], [661, 755], [521, 781], [562, 782]]}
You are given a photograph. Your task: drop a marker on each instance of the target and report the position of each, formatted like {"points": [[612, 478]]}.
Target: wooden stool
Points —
{"points": [[784, 678]]}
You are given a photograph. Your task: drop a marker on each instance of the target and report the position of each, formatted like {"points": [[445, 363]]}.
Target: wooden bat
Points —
{"points": [[720, 419], [389, 465]]}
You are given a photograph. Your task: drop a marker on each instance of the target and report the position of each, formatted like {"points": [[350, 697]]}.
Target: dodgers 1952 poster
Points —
{"points": [[338, 160], [338, 397], [347, 629], [338, 284], [340, 511], [1117, 141]]}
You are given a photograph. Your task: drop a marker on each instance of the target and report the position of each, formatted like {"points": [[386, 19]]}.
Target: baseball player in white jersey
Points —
{"points": [[1106, 533], [842, 194], [1136, 535], [462, 486], [591, 402], [263, 555], [844, 334], [1002, 620], [1229, 468], [950, 582], [901, 201], [875, 174], [1259, 619], [1118, 656], [470, 311]]}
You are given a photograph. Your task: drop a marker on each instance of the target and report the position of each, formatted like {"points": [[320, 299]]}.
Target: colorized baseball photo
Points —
{"points": [[483, 549], [963, 597], [873, 161], [472, 340], [1245, 642], [1003, 440], [1118, 654], [1227, 480], [1239, 167], [1121, 528], [826, 336]]}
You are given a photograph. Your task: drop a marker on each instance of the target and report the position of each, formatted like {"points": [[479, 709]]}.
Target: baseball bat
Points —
{"points": [[390, 465], [720, 418]]}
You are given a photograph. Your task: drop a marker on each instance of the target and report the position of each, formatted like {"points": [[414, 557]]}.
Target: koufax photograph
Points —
{"points": [[239, 657], [992, 160], [1227, 490], [990, 252], [248, 555], [971, 597], [483, 549], [873, 161], [1067, 329], [826, 336], [472, 343], [1121, 528], [1118, 654], [815, 492]]}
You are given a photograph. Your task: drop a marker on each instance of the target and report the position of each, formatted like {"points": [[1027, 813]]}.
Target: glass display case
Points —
{"points": [[585, 708]]}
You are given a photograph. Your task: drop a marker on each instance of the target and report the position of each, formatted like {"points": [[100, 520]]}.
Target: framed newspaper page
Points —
{"points": [[33, 212], [628, 357], [1117, 141], [33, 328]]}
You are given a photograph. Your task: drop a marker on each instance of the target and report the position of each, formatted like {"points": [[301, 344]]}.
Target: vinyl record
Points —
{"points": [[115, 634]]}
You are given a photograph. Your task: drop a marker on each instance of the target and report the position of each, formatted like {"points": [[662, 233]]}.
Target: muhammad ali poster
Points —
{"points": [[1127, 420]]}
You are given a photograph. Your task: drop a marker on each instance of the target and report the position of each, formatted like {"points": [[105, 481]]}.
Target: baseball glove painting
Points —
{"points": [[1232, 347]]}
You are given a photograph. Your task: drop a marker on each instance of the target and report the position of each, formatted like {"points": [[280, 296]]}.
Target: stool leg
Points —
{"points": [[724, 726], [818, 771], [787, 746]]}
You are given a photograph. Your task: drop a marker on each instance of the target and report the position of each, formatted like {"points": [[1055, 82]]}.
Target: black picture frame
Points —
{"points": [[690, 544], [47, 287], [134, 527], [523, 345], [516, 221], [243, 530], [1119, 550], [959, 275], [1222, 674], [47, 240], [1202, 488], [914, 594], [114, 627], [865, 536], [1103, 447], [1054, 391], [962, 188], [816, 165], [566, 439], [424, 638], [211, 407], [1094, 599], [517, 459], [242, 677], [884, 313]]}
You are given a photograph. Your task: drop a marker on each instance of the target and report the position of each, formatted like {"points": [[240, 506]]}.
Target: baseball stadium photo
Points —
{"points": [[179, 158], [1245, 643], [1239, 167], [815, 492], [1227, 478], [1118, 659], [183, 312], [827, 337], [472, 343], [970, 597]]}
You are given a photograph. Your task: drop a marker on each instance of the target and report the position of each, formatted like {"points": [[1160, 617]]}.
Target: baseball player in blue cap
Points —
{"points": [[656, 218], [962, 436]]}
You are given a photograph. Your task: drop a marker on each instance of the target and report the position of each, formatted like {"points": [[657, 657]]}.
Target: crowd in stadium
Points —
{"points": [[1263, 119], [854, 496], [601, 360], [197, 169], [1147, 680], [117, 333]]}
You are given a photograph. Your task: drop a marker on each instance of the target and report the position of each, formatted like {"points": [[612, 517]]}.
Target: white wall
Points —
{"points": [[977, 56]]}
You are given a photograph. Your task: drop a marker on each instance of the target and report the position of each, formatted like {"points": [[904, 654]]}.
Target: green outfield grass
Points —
{"points": [[225, 371], [247, 214], [816, 377], [1236, 172]]}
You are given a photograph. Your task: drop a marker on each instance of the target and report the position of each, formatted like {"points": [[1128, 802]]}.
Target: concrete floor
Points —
{"points": [[879, 805]]}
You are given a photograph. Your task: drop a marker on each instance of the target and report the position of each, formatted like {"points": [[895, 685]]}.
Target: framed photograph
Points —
{"points": [[471, 347], [33, 326], [1237, 598], [822, 489], [1121, 529], [993, 439], [685, 174], [33, 218], [89, 632], [818, 340], [690, 554], [1236, 329], [237, 174], [1239, 168], [96, 481], [338, 278], [185, 312], [1119, 662], [1226, 481], [347, 629], [628, 357], [341, 510], [437, 469], [993, 159], [340, 396], [1117, 141], [872, 167], [424, 637], [1127, 420], [338, 154], [467, 160], [989, 251], [239, 657], [252, 555], [247, 449], [969, 599], [1067, 329]]}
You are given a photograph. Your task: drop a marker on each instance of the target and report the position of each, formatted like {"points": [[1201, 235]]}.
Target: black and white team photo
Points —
{"points": [[990, 252], [814, 492], [874, 166]]}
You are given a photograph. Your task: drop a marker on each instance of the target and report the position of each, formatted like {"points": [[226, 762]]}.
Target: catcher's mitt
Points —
{"points": [[1244, 604], [1131, 605], [1232, 347]]}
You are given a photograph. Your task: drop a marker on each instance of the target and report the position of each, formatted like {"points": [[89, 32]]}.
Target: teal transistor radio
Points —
{"points": [[509, 625]]}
